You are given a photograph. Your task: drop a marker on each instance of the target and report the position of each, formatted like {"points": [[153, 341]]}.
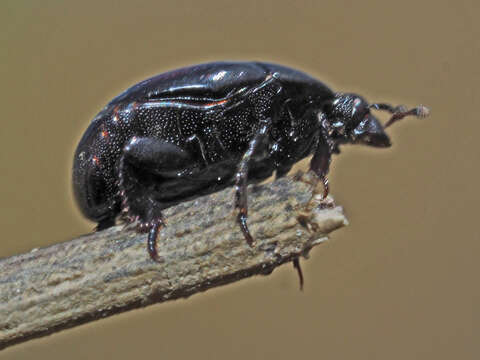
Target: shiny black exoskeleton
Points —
{"points": [[196, 130]]}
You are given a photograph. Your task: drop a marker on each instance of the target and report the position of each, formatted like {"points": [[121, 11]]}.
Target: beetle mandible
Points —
{"points": [[199, 129]]}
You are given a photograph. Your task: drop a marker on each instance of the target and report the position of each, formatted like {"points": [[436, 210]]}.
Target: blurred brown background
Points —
{"points": [[401, 282]]}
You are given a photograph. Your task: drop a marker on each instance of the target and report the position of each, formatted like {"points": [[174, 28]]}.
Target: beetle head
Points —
{"points": [[350, 121]]}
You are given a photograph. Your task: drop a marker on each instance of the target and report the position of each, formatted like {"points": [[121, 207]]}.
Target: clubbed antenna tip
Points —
{"points": [[422, 111]]}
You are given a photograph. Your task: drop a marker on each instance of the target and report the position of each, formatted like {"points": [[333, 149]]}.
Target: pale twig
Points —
{"points": [[104, 273]]}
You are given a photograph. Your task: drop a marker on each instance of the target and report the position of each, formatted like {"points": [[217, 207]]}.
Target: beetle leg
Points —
{"points": [[152, 240], [242, 177], [320, 165], [399, 112], [144, 162]]}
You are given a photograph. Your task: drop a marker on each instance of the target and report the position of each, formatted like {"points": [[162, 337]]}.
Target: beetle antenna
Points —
{"points": [[399, 112]]}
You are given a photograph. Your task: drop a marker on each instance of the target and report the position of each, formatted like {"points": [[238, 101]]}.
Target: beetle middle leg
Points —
{"points": [[241, 179], [144, 161]]}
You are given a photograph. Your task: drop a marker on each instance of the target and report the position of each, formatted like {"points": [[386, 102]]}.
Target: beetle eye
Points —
{"points": [[359, 111], [356, 107]]}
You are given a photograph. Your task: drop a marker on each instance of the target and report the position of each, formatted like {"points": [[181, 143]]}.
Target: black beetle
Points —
{"points": [[199, 129]]}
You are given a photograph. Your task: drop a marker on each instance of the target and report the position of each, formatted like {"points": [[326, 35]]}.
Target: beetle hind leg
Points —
{"points": [[142, 166], [139, 209]]}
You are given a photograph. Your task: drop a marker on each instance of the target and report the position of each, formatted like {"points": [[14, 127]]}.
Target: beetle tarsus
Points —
{"points": [[242, 221], [320, 165], [152, 241], [242, 205], [326, 187], [296, 265]]}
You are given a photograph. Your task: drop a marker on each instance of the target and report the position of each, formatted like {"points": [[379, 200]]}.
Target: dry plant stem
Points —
{"points": [[108, 272]]}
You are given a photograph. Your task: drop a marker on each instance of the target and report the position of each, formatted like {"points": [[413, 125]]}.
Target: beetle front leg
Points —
{"points": [[241, 180], [320, 165]]}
